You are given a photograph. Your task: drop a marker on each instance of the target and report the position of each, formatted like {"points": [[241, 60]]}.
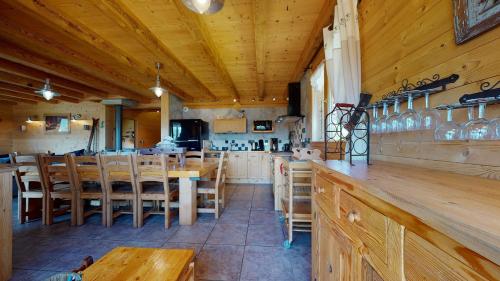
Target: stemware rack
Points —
{"points": [[347, 132], [488, 94], [432, 85]]}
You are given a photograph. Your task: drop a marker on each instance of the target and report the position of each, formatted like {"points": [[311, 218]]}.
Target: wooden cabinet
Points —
{"points": [[357, 236], [254, 165], [237, 165], [237, 125]]}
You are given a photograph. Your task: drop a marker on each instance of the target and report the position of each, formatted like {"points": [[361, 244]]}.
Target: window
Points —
{"points": [[318, 101]]}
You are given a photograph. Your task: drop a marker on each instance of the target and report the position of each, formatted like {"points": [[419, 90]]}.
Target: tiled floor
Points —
{"points": [[244, 244]]}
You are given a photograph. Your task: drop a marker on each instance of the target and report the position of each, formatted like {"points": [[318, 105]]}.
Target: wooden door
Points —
{"points": [[254, 165], [335, 252]]}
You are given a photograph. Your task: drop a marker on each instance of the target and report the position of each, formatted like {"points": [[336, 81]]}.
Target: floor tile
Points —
{"points": [[196, 233], [263, 205], [172, 245], [266, 263], [265, 235], [219, 262], [235, 217], [228, 234], [264, 217], [239, 205]]}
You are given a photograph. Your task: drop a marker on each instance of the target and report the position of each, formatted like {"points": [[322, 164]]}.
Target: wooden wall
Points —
{"points": [[147, 127], [414, 40], [6, 128]]}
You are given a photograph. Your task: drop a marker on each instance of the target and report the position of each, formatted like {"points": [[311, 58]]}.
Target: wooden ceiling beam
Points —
{"points": [[201, 34], [7, 102], [40, 76], [315, 39], [58, 20], [16, 54], [29, 92], [13, 97], [260, 13], [123, 17], [35, 85]]}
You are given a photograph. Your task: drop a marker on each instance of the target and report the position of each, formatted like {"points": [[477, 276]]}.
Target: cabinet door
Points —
{"points": [[254, 165], [232, 165], [335, 253], [265, 164], [242, 165]]}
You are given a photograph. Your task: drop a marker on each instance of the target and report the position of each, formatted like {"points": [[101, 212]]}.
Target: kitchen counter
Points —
{"points": [[464, 208]]}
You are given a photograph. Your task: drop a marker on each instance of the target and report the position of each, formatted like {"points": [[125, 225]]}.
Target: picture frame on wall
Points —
{"points": [[57, 123], [474, 17]]}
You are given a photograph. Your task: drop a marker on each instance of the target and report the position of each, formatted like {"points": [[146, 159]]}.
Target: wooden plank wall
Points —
{"points": [[6, 128], [414, 40]]}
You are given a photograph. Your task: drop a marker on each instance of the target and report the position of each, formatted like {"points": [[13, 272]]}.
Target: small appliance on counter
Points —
{"points": [[260, 146], [274, 144]]}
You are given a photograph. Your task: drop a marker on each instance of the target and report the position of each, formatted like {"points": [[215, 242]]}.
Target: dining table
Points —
{"points": [[189, 175]]}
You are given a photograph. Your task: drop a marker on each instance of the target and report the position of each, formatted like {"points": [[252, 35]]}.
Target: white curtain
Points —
{"points": [[345, 53], [318, 87]]}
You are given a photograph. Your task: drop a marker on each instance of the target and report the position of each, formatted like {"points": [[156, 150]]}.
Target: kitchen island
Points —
{"points": [[401, 222], [6, 221]]}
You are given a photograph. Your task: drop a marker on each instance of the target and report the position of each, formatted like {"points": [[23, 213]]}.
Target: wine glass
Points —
{"points": [[410, 119], [495, 125], [374, 123], [464, 125], [382, 121], [480, 128], [393, 121], [429, 117], [449, 130]]}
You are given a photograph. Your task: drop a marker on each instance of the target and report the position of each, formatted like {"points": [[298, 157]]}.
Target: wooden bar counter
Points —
{"points": [[6, 222], [394, 222]]}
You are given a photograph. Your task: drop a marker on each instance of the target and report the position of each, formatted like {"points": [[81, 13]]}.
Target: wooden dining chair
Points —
{"points": [[119, 185], [30, 196], [196, 156], [56, 180], [87, 180], [214, 189], [153, 185]]}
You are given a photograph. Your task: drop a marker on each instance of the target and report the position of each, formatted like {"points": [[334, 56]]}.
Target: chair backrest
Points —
{"points": [[27, 169], [151, 168], [85, 169], [54, 169], [117, 168], [195, 155], [221, 170]]}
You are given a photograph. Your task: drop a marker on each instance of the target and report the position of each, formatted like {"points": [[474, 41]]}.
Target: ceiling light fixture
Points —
{"points": [[235, 100], [274, 98], [47, 91], [157, 89], [204, 6], [253, 99]]}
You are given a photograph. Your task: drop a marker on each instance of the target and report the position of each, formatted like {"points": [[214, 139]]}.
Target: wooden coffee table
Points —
{"points": [[123, 263]]}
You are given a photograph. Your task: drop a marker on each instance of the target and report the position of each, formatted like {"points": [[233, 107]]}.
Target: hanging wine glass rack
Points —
{"points": [[488, 94]]}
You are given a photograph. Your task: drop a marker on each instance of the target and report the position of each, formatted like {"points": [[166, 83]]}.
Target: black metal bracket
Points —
{"points": [[432, 85], [489, 94]]}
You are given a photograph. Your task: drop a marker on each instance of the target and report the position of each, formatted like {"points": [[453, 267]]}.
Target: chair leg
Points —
{"points": [[21, 211], [140, 213], [167, 214], [50, 211], [44, 209], [73, 212], [135, 212], [216, 205], [104, 211], [80, 204], [109, 213]]}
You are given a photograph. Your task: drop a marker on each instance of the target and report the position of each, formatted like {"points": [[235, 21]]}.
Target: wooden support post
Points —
{"points": [[165, 115]]}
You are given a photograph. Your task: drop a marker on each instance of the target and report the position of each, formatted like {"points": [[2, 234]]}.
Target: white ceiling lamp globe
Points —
{"points": [[202, 5], [158, 90], [48, 95], [47, 91]]}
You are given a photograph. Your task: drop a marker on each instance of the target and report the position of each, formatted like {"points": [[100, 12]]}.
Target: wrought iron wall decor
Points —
{"points": [[347, 132], [432, 85], [489, 94]]}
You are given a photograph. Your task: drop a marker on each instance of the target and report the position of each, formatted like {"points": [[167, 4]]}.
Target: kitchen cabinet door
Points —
{"points": [[265, 164], [242, 165], [335, 252], [232, 165], [254, 165]]}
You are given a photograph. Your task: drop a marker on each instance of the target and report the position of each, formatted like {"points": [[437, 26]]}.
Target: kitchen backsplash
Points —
{"points": [[242, 145]]}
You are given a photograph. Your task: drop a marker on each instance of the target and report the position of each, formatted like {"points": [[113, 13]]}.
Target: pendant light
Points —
{"points": [[204, 6], [47, 91], [157, 89]]}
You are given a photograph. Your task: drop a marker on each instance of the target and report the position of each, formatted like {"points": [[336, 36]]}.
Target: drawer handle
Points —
{"points": [[353, 216]]}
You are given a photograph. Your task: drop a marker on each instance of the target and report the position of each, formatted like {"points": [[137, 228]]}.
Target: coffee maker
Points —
{"points": [[274, 144]]}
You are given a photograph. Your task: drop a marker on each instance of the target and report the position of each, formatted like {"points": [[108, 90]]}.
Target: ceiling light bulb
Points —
{"points": [[46, 91], [48, 94], [235, 100], [158, 91], [274, 98], [202, 5]]}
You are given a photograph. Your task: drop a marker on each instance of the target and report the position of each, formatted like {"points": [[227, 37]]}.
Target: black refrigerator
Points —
{"points": [[189, 133]]}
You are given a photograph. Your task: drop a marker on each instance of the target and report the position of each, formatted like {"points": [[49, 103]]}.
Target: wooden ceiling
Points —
{"points": [[96, 49]]}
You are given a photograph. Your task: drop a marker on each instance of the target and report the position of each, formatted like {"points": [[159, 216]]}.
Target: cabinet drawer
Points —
{"points": [[327, 191], [365, 223], [424, 261]]}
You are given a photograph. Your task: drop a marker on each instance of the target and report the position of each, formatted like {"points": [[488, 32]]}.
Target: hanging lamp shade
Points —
{"points": [[158, 90], [204, 6], [47, 91]]}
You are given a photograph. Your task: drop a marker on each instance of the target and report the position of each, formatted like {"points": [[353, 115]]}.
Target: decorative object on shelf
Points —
{"points": [[348, 127], [57, 123], [75, 117], [204, 7], [158, 90], [474, 17], [448, 130], [46, 91]]}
